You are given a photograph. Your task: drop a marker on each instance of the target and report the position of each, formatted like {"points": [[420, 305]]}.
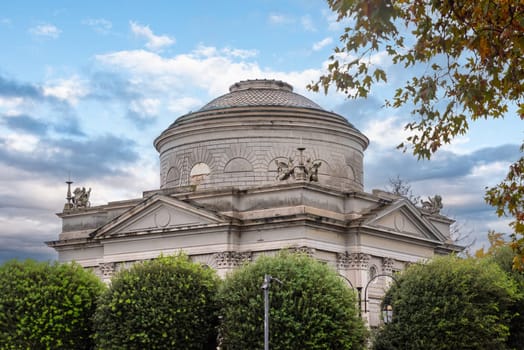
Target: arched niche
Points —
{"points": [[350, 172], [172, 177], [325, 168], [237, 165]]}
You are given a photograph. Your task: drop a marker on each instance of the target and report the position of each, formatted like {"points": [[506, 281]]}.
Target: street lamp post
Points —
{"points": [[265, 288]]}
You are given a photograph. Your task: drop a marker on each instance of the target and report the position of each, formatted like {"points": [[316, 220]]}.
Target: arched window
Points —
{"points": [[198, 173]]}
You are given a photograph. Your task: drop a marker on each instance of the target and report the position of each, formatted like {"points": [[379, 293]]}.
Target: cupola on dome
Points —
{"points": [[258, 134], [260, 93]]}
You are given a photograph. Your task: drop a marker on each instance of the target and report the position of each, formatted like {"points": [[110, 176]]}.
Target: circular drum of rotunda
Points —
{"points": [[256, 135]]}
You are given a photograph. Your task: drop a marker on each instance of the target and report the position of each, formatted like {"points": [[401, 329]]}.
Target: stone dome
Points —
{"points": [[260, 93], [254, 136]]}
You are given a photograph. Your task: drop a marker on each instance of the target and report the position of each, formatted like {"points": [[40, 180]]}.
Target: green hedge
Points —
{"points": [[450, 303], [503, 256], [312, 309], [166, 303], [46, 305]]}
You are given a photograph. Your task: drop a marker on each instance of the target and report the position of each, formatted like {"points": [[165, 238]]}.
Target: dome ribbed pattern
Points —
{"points": [[260, 93]]}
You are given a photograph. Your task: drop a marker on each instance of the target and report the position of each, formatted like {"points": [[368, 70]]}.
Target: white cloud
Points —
{"points": [[146, 106], [46, 30], [386, 132], [156, 72], [380, 58], [70, 90], [184, 105], [240, 53], [136, 178], [278, 18], [11, 105], [206, 68], [500, 225], [154, 42], [5, 21], [322, 43], [459, 145], [334, 24], [100, 25], [211, 51], [495, 170], [308, 24], [19, 142], [205, 51]]}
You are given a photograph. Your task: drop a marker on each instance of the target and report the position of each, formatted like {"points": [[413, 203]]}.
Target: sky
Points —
{"points": [[86, 86]]}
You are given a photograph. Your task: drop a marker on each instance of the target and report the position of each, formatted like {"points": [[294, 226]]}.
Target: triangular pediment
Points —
{"points": [[402, 217], [159, 214]]}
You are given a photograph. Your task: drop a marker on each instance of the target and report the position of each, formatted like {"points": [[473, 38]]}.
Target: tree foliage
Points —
{"points": [[166, 303], [471, 53], [508, 199], [496, 241], [501, 253], [450, 303], [313, 308], [47, 305]]}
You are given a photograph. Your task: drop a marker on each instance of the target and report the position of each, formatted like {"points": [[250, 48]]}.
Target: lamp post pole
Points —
{"points": [[265, 288]]}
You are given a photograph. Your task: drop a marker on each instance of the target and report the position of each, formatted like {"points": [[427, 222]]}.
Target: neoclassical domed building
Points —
{"points": [[252, 172]]}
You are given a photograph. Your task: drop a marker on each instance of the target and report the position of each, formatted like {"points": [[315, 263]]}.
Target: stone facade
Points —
{"points": [[255, 171]]}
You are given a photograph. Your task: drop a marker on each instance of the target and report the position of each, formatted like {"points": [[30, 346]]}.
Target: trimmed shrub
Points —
{"points": [[450, 303], [312, 309], [166, 303], [504, 256], [47, 305]]}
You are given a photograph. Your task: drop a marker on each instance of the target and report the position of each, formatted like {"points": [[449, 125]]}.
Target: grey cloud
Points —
{"points": [[358, 111], [447, 164], [111, 86], [67, 124], [108, 85], [36, 251], [140, 121], [14, 246], [89, 158], [27, 124], [12, 88], [22, 203], [443, 165], [446, 174], [27, 239]]}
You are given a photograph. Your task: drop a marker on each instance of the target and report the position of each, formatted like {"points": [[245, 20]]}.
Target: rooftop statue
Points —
{"points": [[81, 197], [433, 204], [78, 199]]}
